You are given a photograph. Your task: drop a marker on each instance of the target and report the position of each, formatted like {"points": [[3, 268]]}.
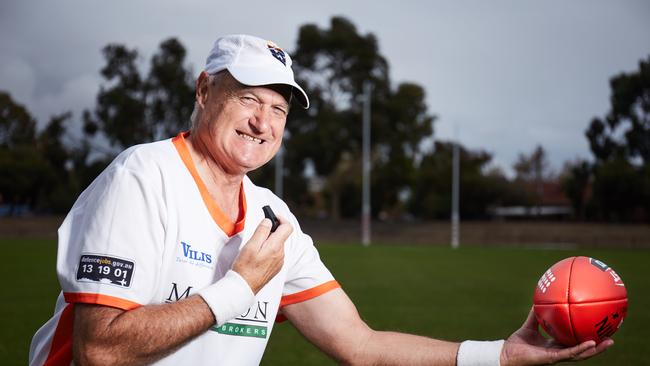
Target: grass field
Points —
{"points": [[470, 293]]}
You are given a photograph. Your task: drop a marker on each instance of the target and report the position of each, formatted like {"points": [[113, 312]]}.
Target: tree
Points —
{"points": [[628, 117], [619, 193], [24, 175], [532, 171], [479, 188], [533, 167], [23, 171], [41, 171], [575, 182], [131, 109], [620, 143], [34, 167], [59, 195], [405, 124], [333, 64], [17, 126], [170, 90], [50, 141], [120, 109]]}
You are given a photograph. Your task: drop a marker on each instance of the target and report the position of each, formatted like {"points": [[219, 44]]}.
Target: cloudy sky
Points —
{"points": [[503, 76]]}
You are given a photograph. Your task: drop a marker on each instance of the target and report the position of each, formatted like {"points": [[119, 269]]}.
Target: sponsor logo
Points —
{"points": [[242, 330], [277, 52], [606, 328], [545, 281], [174, 295], [104, 269], [605, 268], [253, 323], [195, 257], [598, 264], [256, 313], [616, 277]]}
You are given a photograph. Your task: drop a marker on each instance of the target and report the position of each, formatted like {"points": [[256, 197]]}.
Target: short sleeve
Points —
{"points": [[307, 276], [111, 242]]}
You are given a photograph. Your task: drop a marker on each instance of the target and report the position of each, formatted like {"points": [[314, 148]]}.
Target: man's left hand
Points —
{"points": [[527, 346]]}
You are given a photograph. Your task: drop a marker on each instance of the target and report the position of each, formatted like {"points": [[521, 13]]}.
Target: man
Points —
{"points": [[167, 257]]}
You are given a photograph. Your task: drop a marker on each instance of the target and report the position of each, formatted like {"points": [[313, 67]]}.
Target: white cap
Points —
{"points": [[253, 61]]}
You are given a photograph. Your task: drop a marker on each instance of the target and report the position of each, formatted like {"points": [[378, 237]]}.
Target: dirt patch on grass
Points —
{"points": [[483, 233], [30, 227], [487, 233]]}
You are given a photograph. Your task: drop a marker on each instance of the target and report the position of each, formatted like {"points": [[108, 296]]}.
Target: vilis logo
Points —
{"points": [[277, 52], [194, 256]]}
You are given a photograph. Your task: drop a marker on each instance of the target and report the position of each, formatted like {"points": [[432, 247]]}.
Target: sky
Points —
{"points": [[501, 76]]}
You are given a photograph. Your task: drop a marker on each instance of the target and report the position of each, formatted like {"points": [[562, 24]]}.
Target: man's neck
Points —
{"points": [[224, 188]]}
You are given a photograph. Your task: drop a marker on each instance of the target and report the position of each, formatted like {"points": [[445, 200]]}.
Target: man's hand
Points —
{"points": [[262, 256], [527, 346]]}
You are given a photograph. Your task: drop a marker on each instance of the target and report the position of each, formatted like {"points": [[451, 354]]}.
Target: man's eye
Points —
{"points": [[280, 111]]}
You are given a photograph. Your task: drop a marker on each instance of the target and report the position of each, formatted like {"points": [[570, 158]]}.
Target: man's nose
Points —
{"points": [[260, 121]]}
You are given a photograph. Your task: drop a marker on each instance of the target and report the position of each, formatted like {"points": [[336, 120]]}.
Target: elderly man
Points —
{"points": [[167, 258]]}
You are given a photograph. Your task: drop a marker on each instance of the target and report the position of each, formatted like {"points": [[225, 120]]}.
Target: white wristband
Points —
{"points": [[476, 353], [228, 297]]}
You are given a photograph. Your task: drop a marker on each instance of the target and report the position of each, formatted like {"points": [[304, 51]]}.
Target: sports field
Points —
{"points": [[477, 293]]}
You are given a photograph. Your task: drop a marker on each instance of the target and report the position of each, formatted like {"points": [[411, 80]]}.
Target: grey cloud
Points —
{"points": [[511, 74]]}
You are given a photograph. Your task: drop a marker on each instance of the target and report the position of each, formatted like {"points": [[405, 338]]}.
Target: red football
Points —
{"points": [[580, 299]]}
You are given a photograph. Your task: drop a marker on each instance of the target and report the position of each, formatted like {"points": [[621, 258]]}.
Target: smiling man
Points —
{"points": [[167, 258]]}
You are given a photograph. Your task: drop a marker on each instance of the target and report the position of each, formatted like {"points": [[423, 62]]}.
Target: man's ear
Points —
{"points": [[202, 86]]}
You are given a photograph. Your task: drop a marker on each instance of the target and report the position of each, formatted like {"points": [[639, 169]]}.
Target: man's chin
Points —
{"points": [[248, 167]]}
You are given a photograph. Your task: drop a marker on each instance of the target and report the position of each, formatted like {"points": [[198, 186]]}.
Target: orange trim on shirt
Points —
{"points": [[309, 293], [99, 299], [228, 227], [61, 348]]}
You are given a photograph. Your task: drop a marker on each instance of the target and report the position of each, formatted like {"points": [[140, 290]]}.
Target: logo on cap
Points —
{"points": [[277, 52]]}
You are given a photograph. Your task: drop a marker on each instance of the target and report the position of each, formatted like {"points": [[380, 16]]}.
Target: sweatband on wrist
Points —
{"points": [[229, 297], [479, 353]]}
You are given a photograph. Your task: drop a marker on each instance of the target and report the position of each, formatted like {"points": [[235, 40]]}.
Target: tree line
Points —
{"points": [[46, 170]]}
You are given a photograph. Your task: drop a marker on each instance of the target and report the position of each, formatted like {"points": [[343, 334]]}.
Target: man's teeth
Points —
{"points": [[249, 138]]}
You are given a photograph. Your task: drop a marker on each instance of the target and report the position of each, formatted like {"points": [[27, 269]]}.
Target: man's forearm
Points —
{"points": [[104, 335], [332, 323], [391, 348]]}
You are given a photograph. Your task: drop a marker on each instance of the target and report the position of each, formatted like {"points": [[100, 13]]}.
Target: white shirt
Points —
{"points": [[146, 231]]}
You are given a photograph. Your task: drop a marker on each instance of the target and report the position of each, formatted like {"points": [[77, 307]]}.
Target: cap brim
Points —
{"points": [[257, 77]]}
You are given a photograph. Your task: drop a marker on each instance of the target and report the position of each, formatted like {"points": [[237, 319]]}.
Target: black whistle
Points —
{"points": [[268, 213]]}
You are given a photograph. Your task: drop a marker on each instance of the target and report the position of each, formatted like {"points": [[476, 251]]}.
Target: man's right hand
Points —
{"points": [[262, 256]]}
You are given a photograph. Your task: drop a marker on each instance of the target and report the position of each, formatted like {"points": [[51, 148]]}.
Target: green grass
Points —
{"points": [[29, 291], [470, 293]]}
